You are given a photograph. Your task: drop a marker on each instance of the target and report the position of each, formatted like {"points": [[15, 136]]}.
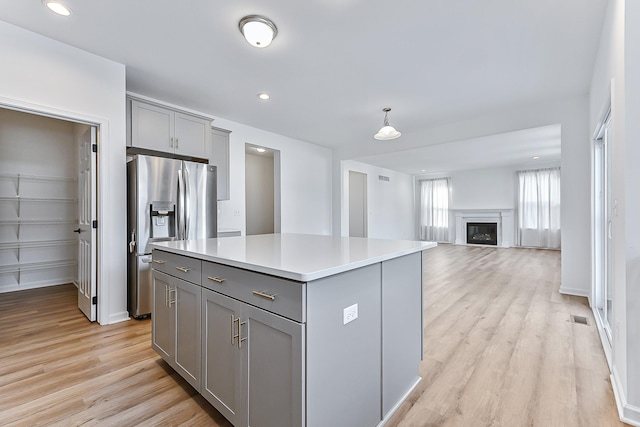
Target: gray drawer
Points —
{"points": [[183, 267], [281, 296]]}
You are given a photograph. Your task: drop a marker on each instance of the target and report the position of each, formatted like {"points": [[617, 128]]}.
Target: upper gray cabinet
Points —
{"points": [[218, 155], [159, 128]]}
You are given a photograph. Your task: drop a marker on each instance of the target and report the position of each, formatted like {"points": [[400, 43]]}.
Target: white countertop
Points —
{"points": [[301, 257]]}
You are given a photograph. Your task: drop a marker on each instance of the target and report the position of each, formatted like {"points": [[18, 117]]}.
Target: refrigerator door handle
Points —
{"points": [[180, 222], [187, 204]]}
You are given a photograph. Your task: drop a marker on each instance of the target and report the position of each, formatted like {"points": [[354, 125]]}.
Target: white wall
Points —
{"points": [[85, 88], [616, 80], [483, 189], [390, 203], [305, 181], [573, 116]]}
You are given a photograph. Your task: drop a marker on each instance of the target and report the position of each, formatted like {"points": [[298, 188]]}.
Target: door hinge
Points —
{"points": [[95, 224], [94, 148], [94, 300]]}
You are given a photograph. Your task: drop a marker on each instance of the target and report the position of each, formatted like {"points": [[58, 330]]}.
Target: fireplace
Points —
{"points": [[482, 233]]}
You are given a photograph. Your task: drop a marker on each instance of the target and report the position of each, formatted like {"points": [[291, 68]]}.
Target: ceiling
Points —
{"points": [[336, 63]]}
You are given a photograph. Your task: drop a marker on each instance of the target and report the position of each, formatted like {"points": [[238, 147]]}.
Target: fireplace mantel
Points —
{"points": [[503, 217]]}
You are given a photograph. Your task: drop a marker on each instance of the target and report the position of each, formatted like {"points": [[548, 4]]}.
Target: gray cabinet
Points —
{"points": [[163, 329], [219, 156], [252, 363], [267, 351], [158, 128], [176, 324]]}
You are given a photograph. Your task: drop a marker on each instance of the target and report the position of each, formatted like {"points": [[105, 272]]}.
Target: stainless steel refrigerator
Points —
{"points": [[168, 199]]}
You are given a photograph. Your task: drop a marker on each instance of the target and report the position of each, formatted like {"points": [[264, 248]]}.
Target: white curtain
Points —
{"points": [[539, 208], [434, 210]]}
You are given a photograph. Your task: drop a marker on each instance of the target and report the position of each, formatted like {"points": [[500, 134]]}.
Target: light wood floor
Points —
{"points": [[499, 351]]}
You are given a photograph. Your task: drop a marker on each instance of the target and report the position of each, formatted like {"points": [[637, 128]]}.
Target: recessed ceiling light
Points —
{"points": [[264, 96], [535, 157], [260, 150], [258, 30], [423, 170], [57, 7]]}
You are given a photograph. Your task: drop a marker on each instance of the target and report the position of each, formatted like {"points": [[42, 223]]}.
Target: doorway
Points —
{"points": [[40, 202], [357, 204], [262, 190], [602, 233]]}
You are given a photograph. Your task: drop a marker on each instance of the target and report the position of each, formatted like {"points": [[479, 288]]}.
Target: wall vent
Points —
{"points": [[383, 178]]}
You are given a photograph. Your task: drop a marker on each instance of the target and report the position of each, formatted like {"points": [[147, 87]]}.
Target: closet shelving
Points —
{"points": [[37, 244]]}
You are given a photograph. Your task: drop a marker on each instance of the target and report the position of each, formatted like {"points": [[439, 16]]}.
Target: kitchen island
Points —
{"points": [[292, 330]]}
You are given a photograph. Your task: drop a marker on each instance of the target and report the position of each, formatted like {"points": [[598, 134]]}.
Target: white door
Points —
{"points": [[86, 232]]}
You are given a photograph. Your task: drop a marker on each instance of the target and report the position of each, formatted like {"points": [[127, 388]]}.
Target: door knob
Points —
{"points": [[79, 230]]}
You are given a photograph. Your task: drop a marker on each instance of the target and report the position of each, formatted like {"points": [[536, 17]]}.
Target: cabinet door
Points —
{"points": [[152, 127], [187, 302], [221, 364], [219, 156], [273, 369], [192, 135], [163, 318]]}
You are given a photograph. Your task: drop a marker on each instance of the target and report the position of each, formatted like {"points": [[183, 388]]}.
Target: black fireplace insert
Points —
{"points": [[482, 233]]}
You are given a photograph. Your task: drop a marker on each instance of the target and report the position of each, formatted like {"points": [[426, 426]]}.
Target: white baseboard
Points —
{"points": [[628, 413], [575, 292], [118, 317]]}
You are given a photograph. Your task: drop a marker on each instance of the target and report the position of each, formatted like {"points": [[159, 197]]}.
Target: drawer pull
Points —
{"points": [[215, 279], [183, 269], [264, 295], [159, 261]]}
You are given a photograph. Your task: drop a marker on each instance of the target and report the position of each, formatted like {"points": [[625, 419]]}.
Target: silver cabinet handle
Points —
{"points": [[177, 142], [183, 269], [264, 295], [159, 261], [172, 301], [171, 143], [215, 279]]}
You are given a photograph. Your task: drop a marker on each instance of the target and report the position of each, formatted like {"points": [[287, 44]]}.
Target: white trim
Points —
{"points": [[119, 317], [628, 413], [604, 340], [102, 125], [576, 292], [398, 403]]}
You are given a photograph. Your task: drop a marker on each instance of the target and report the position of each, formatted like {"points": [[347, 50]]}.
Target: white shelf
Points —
{"points": [[44, 254]]}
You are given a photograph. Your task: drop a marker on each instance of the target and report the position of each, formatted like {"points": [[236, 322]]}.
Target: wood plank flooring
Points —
{"points": [[499, 351]]}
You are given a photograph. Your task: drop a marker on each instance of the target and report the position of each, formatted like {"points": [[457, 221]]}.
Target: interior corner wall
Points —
{"points": [[390, 204], [305, 181], [91, 89]]}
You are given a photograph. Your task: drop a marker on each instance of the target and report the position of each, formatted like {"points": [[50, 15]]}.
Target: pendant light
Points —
{"points": [[258, 30], [387, 132]]}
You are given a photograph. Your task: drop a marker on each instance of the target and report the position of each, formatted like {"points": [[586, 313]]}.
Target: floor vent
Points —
{"points": [[579, 319]]}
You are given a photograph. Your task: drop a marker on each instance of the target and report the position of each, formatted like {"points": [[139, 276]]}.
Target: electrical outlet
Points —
{"points": [[350, 314], [236, 212]]}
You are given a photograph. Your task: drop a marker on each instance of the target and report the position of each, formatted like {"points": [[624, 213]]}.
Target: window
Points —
{"points": [[434, 209], [539, 208]]}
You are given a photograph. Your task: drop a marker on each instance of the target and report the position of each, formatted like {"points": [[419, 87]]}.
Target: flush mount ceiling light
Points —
{"points": [[387, 132], [260, 150], [258, 30], [264, 96], [535, 157], [57, 7]]}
